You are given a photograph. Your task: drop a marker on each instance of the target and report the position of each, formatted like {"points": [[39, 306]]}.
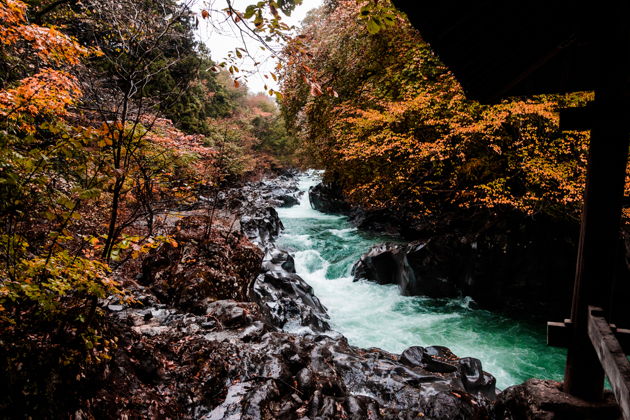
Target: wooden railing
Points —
{"points": [[611, 344]]}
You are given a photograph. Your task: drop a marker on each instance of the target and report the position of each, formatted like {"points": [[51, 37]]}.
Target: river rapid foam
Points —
{"points": [[371, 315]]}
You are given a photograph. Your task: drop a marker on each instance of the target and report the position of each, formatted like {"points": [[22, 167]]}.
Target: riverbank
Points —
{"points": [[227, 323], [221, 327]]}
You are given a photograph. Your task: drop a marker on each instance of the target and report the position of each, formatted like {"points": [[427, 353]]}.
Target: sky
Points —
{"points": [[221, 37]]}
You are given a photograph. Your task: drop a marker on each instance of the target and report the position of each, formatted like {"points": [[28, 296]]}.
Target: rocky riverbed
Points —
{"points": [[222, 327], [207, 338]]}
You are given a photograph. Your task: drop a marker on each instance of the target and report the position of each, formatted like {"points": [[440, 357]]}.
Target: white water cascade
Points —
{"points": [[370, 315]]}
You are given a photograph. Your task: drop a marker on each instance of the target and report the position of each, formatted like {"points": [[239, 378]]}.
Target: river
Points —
{"points": [[371, 315]]}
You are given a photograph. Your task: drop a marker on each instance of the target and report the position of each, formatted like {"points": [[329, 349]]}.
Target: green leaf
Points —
{"points": [[373, 27], [249, 11]]}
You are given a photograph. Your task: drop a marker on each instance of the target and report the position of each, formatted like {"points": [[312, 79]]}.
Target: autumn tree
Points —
{"points": [[48, 278], [143, 46], [400, 134]]}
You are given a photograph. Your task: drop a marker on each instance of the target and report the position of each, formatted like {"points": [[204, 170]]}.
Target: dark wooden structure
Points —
{"points": [[504, 48]]}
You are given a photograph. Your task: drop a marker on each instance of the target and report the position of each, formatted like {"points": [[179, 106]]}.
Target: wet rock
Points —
{"points": [[328, 198], [231, 313], [261, 226], [475, 380], [379, 220], [289, 302], [412, 267], [544, 400], [419, 356], [239, 369], [277, 260], [286, 199], [281, 191]]}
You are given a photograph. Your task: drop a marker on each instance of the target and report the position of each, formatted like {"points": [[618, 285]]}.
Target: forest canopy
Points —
{"points": [[399, 133]]}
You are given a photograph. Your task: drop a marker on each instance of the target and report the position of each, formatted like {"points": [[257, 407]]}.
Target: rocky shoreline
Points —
{"points": [[510, 263], [228, 330], [260, 346]]}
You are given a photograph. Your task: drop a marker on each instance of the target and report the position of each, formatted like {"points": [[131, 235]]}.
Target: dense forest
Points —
{"points": [[400, 133], [115, 120], [111, 113]]}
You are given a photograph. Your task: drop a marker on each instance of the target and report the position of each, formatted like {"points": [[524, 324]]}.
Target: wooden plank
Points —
{"points": [[559, 335], [612, 358]]}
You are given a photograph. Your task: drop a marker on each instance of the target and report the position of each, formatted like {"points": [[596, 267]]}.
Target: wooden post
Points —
{"points": [[599, 235]]}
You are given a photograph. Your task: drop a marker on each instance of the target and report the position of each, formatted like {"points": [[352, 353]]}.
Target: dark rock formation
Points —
{"points": [[286, 299], [281, 191], [544, 400], [289, 302], [261, 225], [508, 269], [228, 364], [413, 267], [328, 198], [277, 259], [381, 221]]}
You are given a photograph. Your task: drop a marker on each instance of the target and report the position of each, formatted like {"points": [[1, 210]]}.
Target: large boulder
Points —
{"points": [[413, 267], [261, 225], [285, 298], [545, 400], [289, 303], [328, 198]]}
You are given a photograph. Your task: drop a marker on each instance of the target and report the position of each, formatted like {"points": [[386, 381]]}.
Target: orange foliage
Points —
{"points": [[49, 92], [402, 134], [48, 43]]}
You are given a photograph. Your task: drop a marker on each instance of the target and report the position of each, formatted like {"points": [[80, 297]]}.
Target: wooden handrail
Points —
{"points": [[611, 356]]}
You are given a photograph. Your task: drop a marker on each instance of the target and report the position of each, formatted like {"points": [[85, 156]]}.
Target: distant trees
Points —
{"points": [[400, 134]]}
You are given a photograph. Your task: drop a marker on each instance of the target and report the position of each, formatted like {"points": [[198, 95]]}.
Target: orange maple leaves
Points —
{"points": [[48, 92], [51, 90], [49, 44]]}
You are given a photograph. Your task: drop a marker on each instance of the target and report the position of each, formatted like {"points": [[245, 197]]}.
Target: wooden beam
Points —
{"points": [[559, 335], [598, 249], [612, 358], [577, 118]]}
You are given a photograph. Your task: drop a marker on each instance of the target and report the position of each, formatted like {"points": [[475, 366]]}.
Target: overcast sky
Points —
{"points": [[220, 37]]}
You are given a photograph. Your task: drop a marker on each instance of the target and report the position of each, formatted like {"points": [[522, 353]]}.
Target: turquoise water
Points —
{"points": [[370, 315]]}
